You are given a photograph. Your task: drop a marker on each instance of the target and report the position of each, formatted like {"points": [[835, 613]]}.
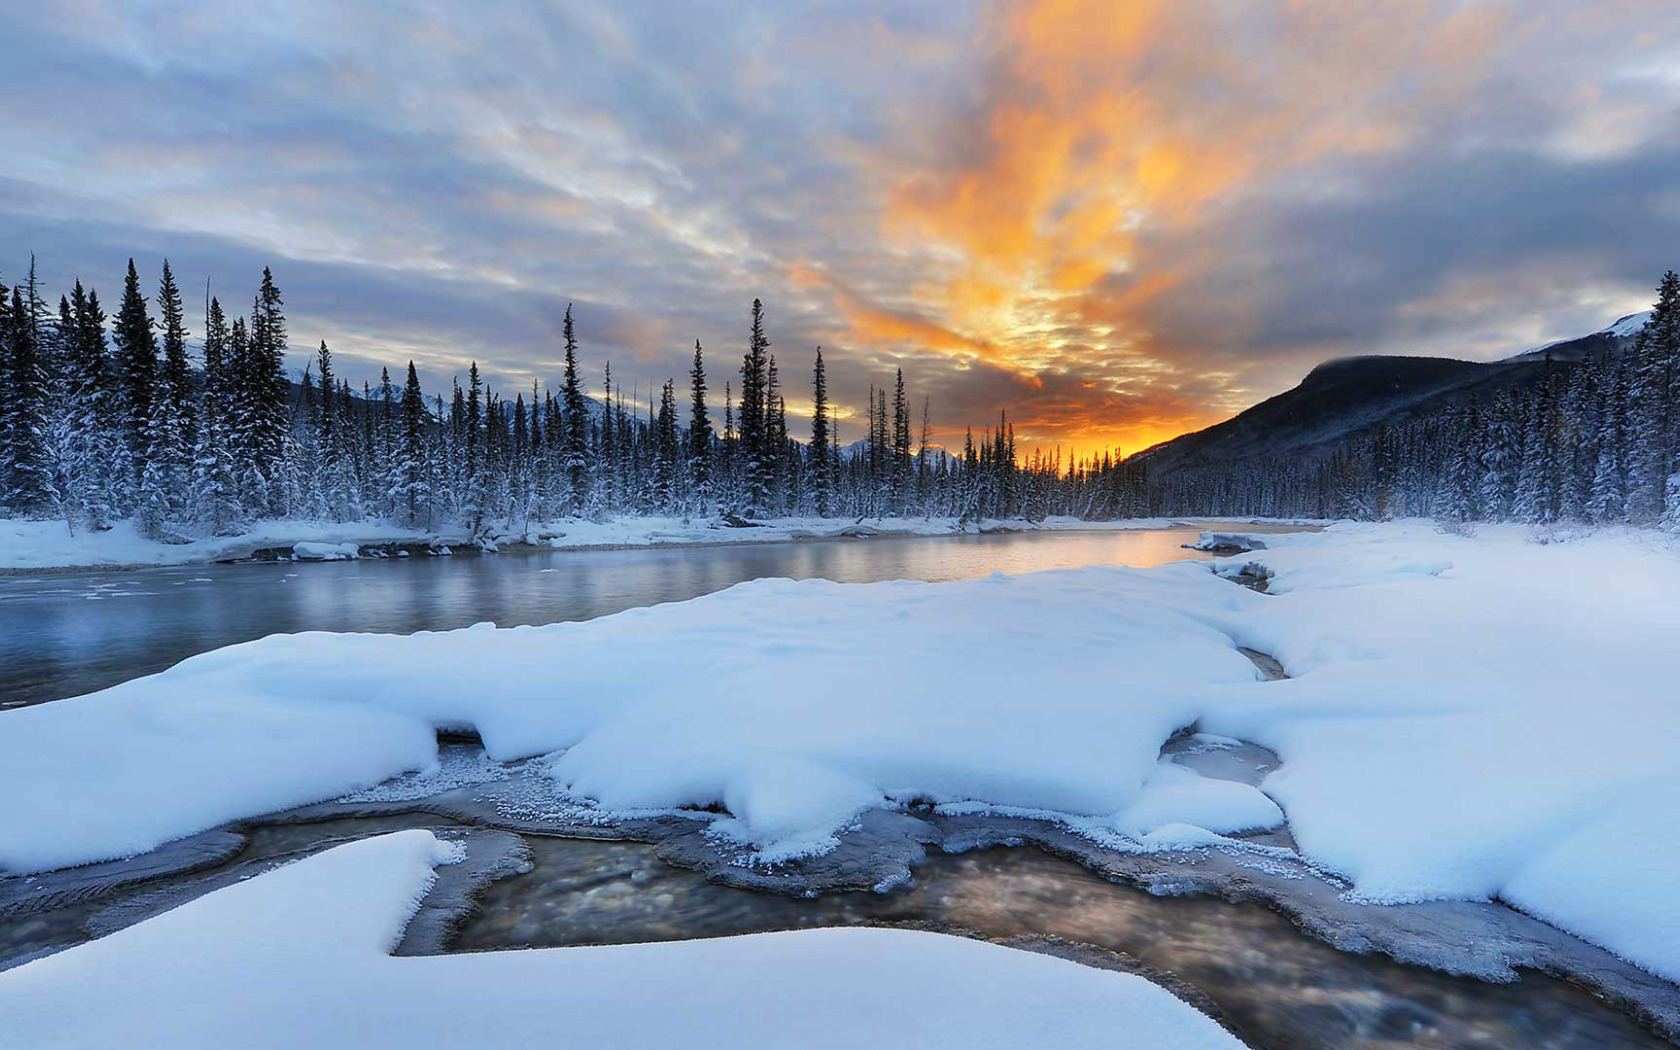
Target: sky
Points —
{"points": [[1117, 220]]}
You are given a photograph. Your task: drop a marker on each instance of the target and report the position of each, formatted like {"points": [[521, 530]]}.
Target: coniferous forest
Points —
{"points": [[109, 413], [1590, 442]]}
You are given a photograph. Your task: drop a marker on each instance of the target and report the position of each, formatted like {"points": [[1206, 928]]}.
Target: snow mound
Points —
{"points": [[1478, 718], [310, 943], [1214, 541], [312, 551], [795, 705]]}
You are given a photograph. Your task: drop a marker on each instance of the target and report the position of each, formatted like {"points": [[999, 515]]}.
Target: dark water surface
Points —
{"points": [[1276, 987], [65, 634]]}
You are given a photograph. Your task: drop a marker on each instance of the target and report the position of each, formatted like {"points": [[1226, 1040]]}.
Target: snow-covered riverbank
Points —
{"points": [[27, 545], [1466, 718]]}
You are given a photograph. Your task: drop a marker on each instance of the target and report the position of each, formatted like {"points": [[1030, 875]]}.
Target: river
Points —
{"points": [[68, 633]]}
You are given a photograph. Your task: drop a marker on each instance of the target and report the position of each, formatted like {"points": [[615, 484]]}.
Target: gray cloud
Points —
{"points": [[438, 182]]}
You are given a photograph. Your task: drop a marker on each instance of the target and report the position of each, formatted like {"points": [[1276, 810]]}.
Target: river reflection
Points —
{"points": [[65, 634]]}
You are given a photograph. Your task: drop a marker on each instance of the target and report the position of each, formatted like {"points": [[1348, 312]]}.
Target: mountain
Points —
{"points": [[1352, 395]]}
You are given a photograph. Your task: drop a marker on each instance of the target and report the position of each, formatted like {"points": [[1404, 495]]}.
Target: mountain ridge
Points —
{"points": [[1344, 397]]}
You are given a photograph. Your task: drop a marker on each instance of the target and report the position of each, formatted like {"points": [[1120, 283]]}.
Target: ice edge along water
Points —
{"points": [[1468, 718]]}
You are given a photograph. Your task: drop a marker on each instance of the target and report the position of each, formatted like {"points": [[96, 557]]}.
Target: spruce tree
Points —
{"points": [[177, 371], [264, 439], [137, 367], [822, 478], [412, 491], [699, 430], [215, 477], [775, 437], [577, 424], [755, 453], [26, 483]]}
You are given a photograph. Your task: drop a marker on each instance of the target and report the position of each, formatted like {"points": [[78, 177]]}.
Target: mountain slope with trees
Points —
{"points": [[1580, 431]]}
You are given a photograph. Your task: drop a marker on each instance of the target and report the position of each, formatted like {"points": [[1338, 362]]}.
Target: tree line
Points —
{"points": [[1591, 442], [104, 418]]}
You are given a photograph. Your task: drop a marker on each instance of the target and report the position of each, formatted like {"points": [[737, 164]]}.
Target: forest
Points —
{"points": [[106, 417], [110, 417], [1589, 442]]}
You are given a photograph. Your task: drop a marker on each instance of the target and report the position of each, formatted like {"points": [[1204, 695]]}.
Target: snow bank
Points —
{"points": [[1218, 541], [299, 957], [794, 705], [1478, 717], [50, 545], [309, 551]]}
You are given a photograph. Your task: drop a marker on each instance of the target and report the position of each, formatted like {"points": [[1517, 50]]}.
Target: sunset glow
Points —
{"points": [[1116, 222]]}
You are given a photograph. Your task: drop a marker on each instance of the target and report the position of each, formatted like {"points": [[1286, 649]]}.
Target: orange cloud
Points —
{"points": [[1108, 127], [874, 324]]}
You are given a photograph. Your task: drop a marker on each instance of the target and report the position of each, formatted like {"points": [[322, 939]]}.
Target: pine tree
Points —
{"points": [[26, 483], [822, 477], [607, 491], [263, 438], [666, 450], [215, 481], [177, 371], [412, 491], [900, 447], [330, 464], [775, 437], [472, 454], [137, 367], [699, 430], [1660, 394], [754, 437], [577, 424]]}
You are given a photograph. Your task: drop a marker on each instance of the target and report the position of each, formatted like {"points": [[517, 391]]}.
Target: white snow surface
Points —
{"points": [[28, 544], [314, 551], [1629, 325], [1479, 717], [1467, 718], [299, 956]]}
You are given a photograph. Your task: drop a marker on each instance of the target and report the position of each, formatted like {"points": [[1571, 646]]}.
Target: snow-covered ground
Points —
{"points": [[41, 545], [300, 956], [1466, 717], [27, 544]]}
